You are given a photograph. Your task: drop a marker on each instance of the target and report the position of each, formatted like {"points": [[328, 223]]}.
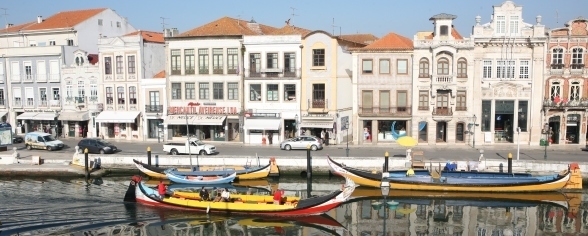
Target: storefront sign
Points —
{"points": [[275, 115], [317, 115], [202, 110], [38, 110]]}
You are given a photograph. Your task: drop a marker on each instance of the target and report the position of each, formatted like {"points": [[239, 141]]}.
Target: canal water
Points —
{"points": [[46, 206]]}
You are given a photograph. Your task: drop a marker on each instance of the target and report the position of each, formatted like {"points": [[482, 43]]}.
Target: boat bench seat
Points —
{"points": [[417, 160]]}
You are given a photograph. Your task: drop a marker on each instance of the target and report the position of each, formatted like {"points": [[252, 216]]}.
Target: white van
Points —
{"points": [[40, 140]]}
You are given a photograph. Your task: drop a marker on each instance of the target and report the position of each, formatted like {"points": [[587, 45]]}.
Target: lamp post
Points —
{"points": [[189, 144], [518, 142], [474, 132], [385, 187], [296, 125], [546, 130], [347, 130]]}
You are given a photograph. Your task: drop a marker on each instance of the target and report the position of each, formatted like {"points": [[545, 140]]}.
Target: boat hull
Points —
{"points": [[365, 178], [243, 197], [203, 181], [243, 173]]}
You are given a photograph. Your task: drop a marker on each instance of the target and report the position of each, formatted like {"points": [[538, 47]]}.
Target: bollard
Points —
{"points": [[86, 162], [500, 168], [510, 163], [308, 162], [385, 163], [156, 160], [149, 156]]}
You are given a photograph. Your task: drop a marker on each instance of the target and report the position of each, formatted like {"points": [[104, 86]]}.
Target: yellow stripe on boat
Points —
{"points": [[224, 206], [244, 198]]}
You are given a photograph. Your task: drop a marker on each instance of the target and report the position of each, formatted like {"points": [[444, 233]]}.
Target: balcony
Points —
{"points": [[54, 77], [461, 108], [54, 103], [318, 103], [203, 71], [576, 69], [93, 99], [17, 102], [565, 104], [217, 70], [43, 103], [385, 111], [557, 69], [273, 73], [444, 79], [442, 111], [80, 99], [30, 102], [154, 108]]}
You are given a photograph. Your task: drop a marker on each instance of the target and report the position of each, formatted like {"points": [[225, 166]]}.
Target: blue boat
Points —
{"points": [[201, 180], [468, 178]]}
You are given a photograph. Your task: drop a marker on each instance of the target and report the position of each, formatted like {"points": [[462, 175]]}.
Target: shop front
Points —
{"points": [[262, 128], [74, 123], [38, 121], [314, 124], [119, 125], [379, 130], [205, 122], [500, 119]]}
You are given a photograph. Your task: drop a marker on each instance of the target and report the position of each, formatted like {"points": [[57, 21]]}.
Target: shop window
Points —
{"points": [[486, 115], [522, 113], [389, 130], [423, 132]]}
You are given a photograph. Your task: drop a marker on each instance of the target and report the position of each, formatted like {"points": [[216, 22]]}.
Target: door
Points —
{"points": [[442, 103], [459, 132], [441, 131]]}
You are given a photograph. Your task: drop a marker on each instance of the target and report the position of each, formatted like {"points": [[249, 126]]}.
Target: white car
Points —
{"points": [[196, 147], [302, 142]]}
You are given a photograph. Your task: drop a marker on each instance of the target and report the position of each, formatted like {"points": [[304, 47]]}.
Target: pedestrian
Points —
{"points": [[161, 189], [270, 137], [323, 135], [204, 194], [327, 138], [278, 196]]}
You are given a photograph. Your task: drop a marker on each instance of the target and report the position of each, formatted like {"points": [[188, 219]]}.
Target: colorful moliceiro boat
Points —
{"points": [[189, 179], [243, 172], [570, 178], [139, 192]]}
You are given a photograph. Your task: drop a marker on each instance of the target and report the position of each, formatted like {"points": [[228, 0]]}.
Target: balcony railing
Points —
{"points": [[461, 108], [17, 102], [55, 103], [153, 108], [580, 104], [2, 102], [43, 103], [203, 71], [273, 73], [385, 111], [444, 79], [442, 111], [318, 103], [93, 98], [217, 70]]}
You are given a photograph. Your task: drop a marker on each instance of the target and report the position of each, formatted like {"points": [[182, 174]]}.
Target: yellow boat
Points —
{"points": [[570, 178], [242, 197], [243, 172]]}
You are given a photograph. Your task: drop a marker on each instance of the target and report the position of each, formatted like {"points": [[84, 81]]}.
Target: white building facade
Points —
{"points": [[153, 94]]}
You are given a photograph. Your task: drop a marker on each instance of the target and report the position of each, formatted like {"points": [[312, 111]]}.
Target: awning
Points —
{"points": [[117, 116], [74, 116], [262, 124], [3, 113], [208, 120], [26, 115], [178, 119], [317, 124], [44, 116]]}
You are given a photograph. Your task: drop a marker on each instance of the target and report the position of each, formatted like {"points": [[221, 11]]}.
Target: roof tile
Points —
{"points": [[149, 36], [229, 26], [454, 33], [360, 38], [291, 30], [391, 41], [160, 75], [64, 19]]}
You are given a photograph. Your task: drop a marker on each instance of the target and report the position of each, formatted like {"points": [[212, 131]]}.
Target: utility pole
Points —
{"points": [[163, 24], [334, 26]]}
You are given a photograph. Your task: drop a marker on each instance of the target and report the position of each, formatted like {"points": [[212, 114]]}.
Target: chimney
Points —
{"points": [[166, 33], [9, 25], [39, 19], [175, 32]]}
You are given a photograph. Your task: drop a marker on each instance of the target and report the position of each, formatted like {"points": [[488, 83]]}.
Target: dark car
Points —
{"points": [[95, 145], [17, 139]]}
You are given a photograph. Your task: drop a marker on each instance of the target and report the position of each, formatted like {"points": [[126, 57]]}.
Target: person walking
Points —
{"points": [[323, 135], [270, 137], [327, 138]]}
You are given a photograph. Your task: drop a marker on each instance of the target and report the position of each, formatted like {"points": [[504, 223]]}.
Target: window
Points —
{"points": [[524, 70], [176, 64], [367, 66], [462, 68], [32, 43], [217, 61], [461, 101], [2, 98], [424, 68], [28, 70], [131, 64], [318, 96], [510, 70], [367, 101], [575, 91], [68, 90], [203, 61], [384, 66], [272, 92], [401, 101], [218, 92], [204, 91], [189, 62], [401, 66], [318, 57], [487, 71], [118, 24], [70, 42], [443, 66], [120, 91], [289, 64], [523, 107], [232, 60], [56, 95], [99, 21], [501, 69], [255, 64], [176, 91], [154, 100], [119, 65], [423, 133], [557, 58], [514, 24], [81, 91], [444, 30], [190, 90], [93, 92], [384, 101], [555, 90], [290, 92], [108, 65], [30, 96], [52, 42], [500, 24], [233, 91], [423, 100], [577, 58], [272, 61], [486, 113], [17, 94], [255, 92], [132, 95], [459, 131], [442, 101], [109, 97]]}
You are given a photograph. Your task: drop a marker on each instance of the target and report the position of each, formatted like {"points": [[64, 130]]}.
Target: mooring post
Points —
{"points": [[308, 162], [510, 163], [148, 155], [156, 160], [86, 162], [385, 162]]}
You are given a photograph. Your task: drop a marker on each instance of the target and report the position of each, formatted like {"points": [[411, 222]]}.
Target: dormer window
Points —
{"points": [[444, 30], [500, 24], [514, 24]]}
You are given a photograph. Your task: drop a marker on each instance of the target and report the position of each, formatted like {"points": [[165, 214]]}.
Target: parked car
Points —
{"points": [[302, 142], [17, 139], [96, 145], [40, 140], [196, 147]]}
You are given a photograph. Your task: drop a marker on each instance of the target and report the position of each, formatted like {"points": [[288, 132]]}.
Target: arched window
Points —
{"points": [[459, 132], [557, 58], [424, 68], [443, 66], [577, 58], [575, 93], [462, 68], [555, 90]]}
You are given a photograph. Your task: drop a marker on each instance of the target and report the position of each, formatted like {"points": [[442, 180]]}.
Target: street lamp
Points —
{"points": [[347, 130], [296, 125], [518, 142], [474, 131]]}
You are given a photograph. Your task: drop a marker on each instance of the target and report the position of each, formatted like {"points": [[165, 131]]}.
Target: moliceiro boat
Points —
{"points": [[139, 192], [243, 172], [190, 179], [435, 181]]}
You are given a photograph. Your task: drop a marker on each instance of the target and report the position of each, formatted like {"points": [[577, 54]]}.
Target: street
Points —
{"points": [[435, 153]]}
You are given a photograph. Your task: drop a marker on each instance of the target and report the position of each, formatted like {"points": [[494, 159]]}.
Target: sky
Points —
{"points": [[377, 17]]}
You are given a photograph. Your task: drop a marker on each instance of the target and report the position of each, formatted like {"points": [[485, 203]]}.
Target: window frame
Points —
{"points": [[203, 61], [575, 91], [217, 61], [232, 61], [399, 69], [461, 100], [189, 62], [271, 60], [175, 62], [318, 57], [286, 90], [133, 95], [255, 94], [218, 91], [365, 68], [524, 69], [317, 93], [119, 65], [120, 95], [109, 95], [204, 91], [424, 66], [462, 68], [443, 66], [273, 93], [190, 90], [386, 62], [577, 58], [108, 65], [423, 100], [557, 57], [177, 89], [232, 91], [131, 64]]}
